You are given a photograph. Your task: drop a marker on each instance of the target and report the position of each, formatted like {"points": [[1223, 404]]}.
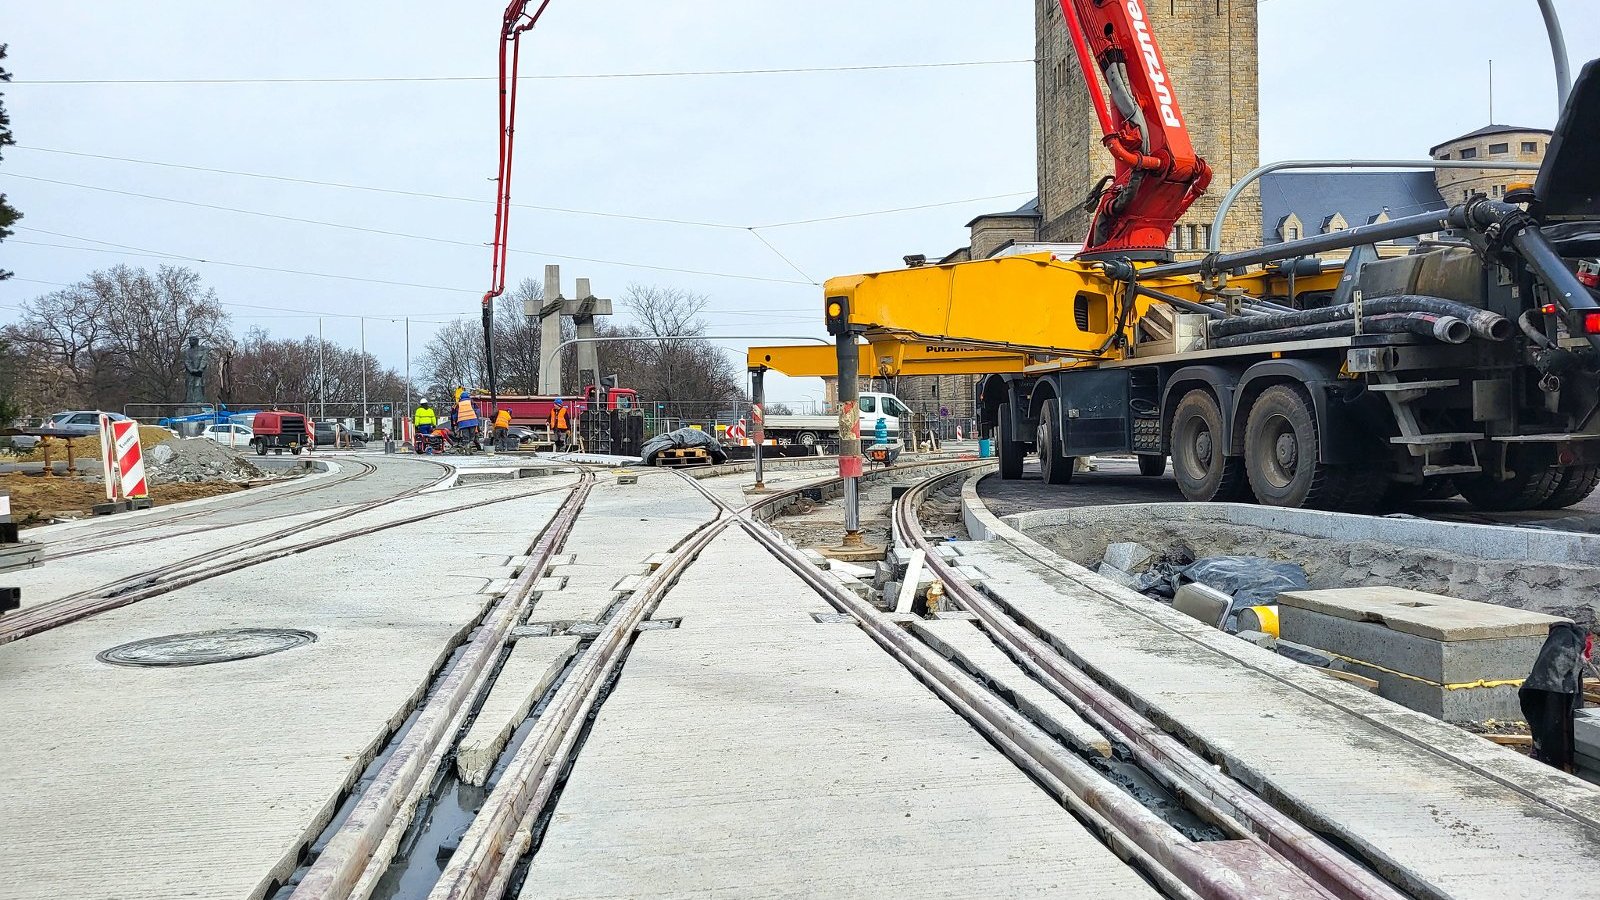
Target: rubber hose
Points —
{"points": [[1448, 329], [1532, 330], [1482, 322]]}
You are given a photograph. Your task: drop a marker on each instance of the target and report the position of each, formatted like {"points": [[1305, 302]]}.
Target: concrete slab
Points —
{"points": [[755, 752], [968, 645], [619, 529], [1454, 680], [527, 673], [207, 781], [1418, 799], [1431, 616]]}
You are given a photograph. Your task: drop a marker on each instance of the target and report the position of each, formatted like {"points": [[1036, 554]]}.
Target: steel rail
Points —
{"points": [[142, 586], [488, 854], [1158, 752], [360, 851], [183, 515], [483, 864]]}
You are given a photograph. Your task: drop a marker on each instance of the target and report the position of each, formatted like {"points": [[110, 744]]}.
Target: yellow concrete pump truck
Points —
{"points": [[1471, 365]]}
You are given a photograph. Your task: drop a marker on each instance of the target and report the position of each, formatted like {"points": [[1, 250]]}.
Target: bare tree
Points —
{"points": [[454, 358], [692, 375], [118, 336]]}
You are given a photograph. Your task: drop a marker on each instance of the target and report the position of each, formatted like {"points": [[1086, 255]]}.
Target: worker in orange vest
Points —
{"points": [[466, 418], [502, 424], [558, 424]]}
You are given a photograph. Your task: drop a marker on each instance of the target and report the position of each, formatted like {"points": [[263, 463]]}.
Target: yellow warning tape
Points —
{"points": [[1457, 686]]}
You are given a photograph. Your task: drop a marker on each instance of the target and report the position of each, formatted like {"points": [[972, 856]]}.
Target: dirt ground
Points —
{"points": [[36, 499]]}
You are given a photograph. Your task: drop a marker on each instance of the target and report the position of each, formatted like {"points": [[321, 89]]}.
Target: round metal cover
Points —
{"points": [[202, 648]]}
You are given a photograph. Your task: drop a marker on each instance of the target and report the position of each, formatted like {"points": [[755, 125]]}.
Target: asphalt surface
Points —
{"points": [[1118, 481]]}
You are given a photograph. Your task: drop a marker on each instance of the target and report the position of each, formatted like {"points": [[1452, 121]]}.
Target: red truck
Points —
{"points": [[533, 411]]}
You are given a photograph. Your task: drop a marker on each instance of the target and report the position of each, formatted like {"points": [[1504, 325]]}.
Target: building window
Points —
{"points": [[1294, 233], [1205, 236], [1499, 148], [1469, 153], [1445, 155], [1466, 194], [1530, 146], [1183, 238]]}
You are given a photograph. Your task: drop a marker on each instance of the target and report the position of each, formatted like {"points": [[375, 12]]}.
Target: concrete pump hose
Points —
{"points": [[1481, 322], [1449, 329]]}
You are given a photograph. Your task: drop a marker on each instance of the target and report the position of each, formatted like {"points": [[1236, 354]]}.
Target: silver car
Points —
{"points": [[73, 423]]}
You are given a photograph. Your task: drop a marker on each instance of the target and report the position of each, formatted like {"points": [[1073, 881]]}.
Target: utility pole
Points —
{"points": [[363, 422], [322, 376], [408, 367]]}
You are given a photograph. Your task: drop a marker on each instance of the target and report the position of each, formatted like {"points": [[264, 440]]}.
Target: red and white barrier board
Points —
{"points": [[123, 460]]}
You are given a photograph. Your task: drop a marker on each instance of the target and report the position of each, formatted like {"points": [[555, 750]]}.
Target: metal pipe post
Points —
{"points": [[850, 435], [1233, 193], [1558, 50], [758, 428]]}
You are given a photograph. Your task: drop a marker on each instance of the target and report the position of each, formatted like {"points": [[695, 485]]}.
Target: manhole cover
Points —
{"points": [[202, 648]]}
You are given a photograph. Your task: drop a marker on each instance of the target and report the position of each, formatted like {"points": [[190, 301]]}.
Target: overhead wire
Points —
{"points": [[571, 76]]}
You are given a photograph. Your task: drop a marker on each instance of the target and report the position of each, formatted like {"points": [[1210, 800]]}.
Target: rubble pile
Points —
{"points": [[196, 459]]}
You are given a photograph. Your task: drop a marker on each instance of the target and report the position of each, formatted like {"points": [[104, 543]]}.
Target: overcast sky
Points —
{"points": [[1339, 78]]}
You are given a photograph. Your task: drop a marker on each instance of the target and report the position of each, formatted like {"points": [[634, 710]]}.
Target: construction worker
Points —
{"points": [[558, 424], [502, 424], [465, 418], [425, 418]]}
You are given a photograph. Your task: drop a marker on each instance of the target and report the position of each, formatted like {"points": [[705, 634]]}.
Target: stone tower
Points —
{"points": [[1210, 50]]}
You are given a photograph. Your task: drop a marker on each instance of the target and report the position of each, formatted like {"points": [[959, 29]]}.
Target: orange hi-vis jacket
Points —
{"points": [[502, 419], [558, 418]]}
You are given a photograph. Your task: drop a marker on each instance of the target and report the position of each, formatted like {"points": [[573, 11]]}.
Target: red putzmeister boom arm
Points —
{"points": [[1158, 175]]}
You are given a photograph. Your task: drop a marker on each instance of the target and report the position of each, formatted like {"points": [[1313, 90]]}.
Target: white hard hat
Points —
{"points": [[424, 401]]}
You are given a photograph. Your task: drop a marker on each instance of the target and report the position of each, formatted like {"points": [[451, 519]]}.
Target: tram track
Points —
{"points": [[225, 560], [1263, 853], [141, 528]]}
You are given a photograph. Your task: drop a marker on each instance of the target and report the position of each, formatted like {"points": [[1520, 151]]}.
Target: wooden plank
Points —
{"points": [[908, 587]]}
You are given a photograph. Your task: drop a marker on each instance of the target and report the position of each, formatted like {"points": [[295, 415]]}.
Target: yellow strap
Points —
{"points": [[1457, 686]]}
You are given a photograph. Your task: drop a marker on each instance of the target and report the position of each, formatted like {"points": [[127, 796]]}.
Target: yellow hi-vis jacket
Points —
{"points": [[425, 416], [502, 419]]}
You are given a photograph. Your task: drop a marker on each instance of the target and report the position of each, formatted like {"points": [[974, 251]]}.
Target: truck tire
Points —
{"points": [[1055, 466], [261, 447], [1534, 482], [807, 439], [1153, 466], [1575, 483], [1008, 449], [1281, 450], [1199, 462]]}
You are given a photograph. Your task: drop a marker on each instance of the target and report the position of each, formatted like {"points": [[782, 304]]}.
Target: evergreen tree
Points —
{"points": [[8, 213]]}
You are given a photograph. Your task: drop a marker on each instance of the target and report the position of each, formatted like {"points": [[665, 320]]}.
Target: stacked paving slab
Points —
{"points": [[1456, 660]]}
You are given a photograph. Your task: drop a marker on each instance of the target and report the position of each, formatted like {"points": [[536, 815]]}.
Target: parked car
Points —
{"points": [[522, 433], [229, 435], [74, 423], [327, 435]]}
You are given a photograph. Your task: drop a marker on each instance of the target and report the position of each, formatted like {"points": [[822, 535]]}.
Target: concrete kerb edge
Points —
{"points": [[1483, 542], [1551, 787], [328, 468]]}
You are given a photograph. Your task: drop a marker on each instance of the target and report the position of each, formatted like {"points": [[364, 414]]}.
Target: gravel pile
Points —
{"points": [[196, 459]]}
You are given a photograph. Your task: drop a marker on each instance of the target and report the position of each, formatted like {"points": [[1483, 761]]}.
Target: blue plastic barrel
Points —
{"points": [[985, 448]]}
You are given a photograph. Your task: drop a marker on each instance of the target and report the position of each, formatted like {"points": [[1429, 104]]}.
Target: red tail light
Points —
{"points": [[1591, 322], [1590, 279]]}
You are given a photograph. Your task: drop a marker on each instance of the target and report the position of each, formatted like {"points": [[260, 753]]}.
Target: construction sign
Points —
{"points": [[122, 460], [736, 433]]}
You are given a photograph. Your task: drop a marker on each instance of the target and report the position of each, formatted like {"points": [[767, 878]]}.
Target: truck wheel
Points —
{"points": [[1281, 449], [1575, 483], [1053, 464], [1200, 463], [1152, 465], [261, 448], [1009, 450], [1533, 483], [807, 439]]}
